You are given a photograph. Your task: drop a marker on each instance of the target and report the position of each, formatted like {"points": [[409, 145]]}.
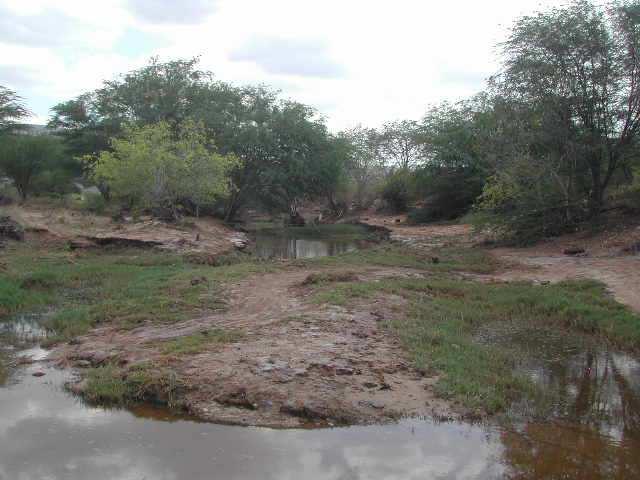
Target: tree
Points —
{"points": [[11, 109], [578, 69], [366, 162], [297, 147], [402, 143], [455, 158], [153, 167], [83, 128], [271, 137], [25, 157]]}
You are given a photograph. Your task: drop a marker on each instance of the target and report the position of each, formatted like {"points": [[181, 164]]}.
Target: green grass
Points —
{"points": [[445, 317], [198, 342], [449, 259], [110, 384], [126, 287]]}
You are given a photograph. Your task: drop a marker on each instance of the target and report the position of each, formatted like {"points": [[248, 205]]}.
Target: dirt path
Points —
{"points": [[605, 258], [621, 274], [299, 362]]}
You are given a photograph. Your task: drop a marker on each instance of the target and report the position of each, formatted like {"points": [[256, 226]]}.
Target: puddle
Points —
{"points": [[22, 330], [307, 242], [45, 432]]}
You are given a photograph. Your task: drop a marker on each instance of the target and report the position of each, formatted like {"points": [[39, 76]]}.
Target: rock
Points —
{"points": [[377, 404], [344, 371], [199, 281], [83, 364], [296, 220], [38, 374], [370, 385], [10, 229], [77, 387], [574, 251]]}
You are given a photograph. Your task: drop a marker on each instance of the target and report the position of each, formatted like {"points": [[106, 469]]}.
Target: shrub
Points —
{"points": [[152, 167], [450, 193], [396, 191], [93, 202]]}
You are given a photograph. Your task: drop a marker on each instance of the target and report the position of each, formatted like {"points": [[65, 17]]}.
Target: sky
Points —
{"points": [[356, 61]]}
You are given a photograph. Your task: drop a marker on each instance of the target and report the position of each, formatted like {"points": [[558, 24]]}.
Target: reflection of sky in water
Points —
{"points": [[45, 433], [271, 246]]}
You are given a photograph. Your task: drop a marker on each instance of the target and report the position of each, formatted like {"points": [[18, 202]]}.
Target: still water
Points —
{"points": [[307, 242], [46, 433]]}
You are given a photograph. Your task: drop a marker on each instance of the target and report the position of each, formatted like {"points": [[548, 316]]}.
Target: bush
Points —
{"points": [[524, 204], [153, 168], [36, 163], [93, 202], [396, 191], [449, 194]]}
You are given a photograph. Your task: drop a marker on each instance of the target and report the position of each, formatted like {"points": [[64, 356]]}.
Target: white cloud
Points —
{"points": [[357, 61]]}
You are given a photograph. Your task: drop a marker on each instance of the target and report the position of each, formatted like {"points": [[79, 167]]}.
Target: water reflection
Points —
{"points": [[271, 246], [568, 451], [594, 400], [45, 433]]}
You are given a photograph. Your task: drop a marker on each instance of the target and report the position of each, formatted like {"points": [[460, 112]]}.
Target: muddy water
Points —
{"points": [[306, 242], [46, 433]]}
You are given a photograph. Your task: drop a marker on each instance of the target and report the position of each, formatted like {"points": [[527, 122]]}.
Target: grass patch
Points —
{"points": [[198, 342], [127, 287], [449, 259], [441, 329], [115, 386]]}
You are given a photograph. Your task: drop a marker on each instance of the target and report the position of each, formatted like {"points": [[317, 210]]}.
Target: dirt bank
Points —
{"points": [[203, 236], [298, 362]]}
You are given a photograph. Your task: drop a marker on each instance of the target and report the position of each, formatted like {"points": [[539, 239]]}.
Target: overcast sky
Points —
{"points": [[356, 61]]}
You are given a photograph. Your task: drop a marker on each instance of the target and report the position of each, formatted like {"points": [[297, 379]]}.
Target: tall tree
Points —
{"points": [[402, 143], [578, 67], [24, 157], [11, 109], [366, 163]]}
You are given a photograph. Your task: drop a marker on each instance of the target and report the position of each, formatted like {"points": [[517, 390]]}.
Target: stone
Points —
{"points": [[574, 251], [10, 229], [38, 374]]}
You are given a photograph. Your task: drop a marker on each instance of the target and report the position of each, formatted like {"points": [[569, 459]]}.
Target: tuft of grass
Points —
{"points": [[329, 277], [110, 384], [446, 317], [107, 385], [198, 342]]}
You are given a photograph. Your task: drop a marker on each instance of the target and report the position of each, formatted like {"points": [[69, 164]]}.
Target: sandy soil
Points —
{"points": [[201, 236]]}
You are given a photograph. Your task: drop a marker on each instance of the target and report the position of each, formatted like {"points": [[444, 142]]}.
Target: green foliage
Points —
{"points": [[456, 164], [36, 163], [570, 72], [396, 190], [523, 203], [150, 168], [285, 151], [11, 109], [365, 163], [93, 202]]}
